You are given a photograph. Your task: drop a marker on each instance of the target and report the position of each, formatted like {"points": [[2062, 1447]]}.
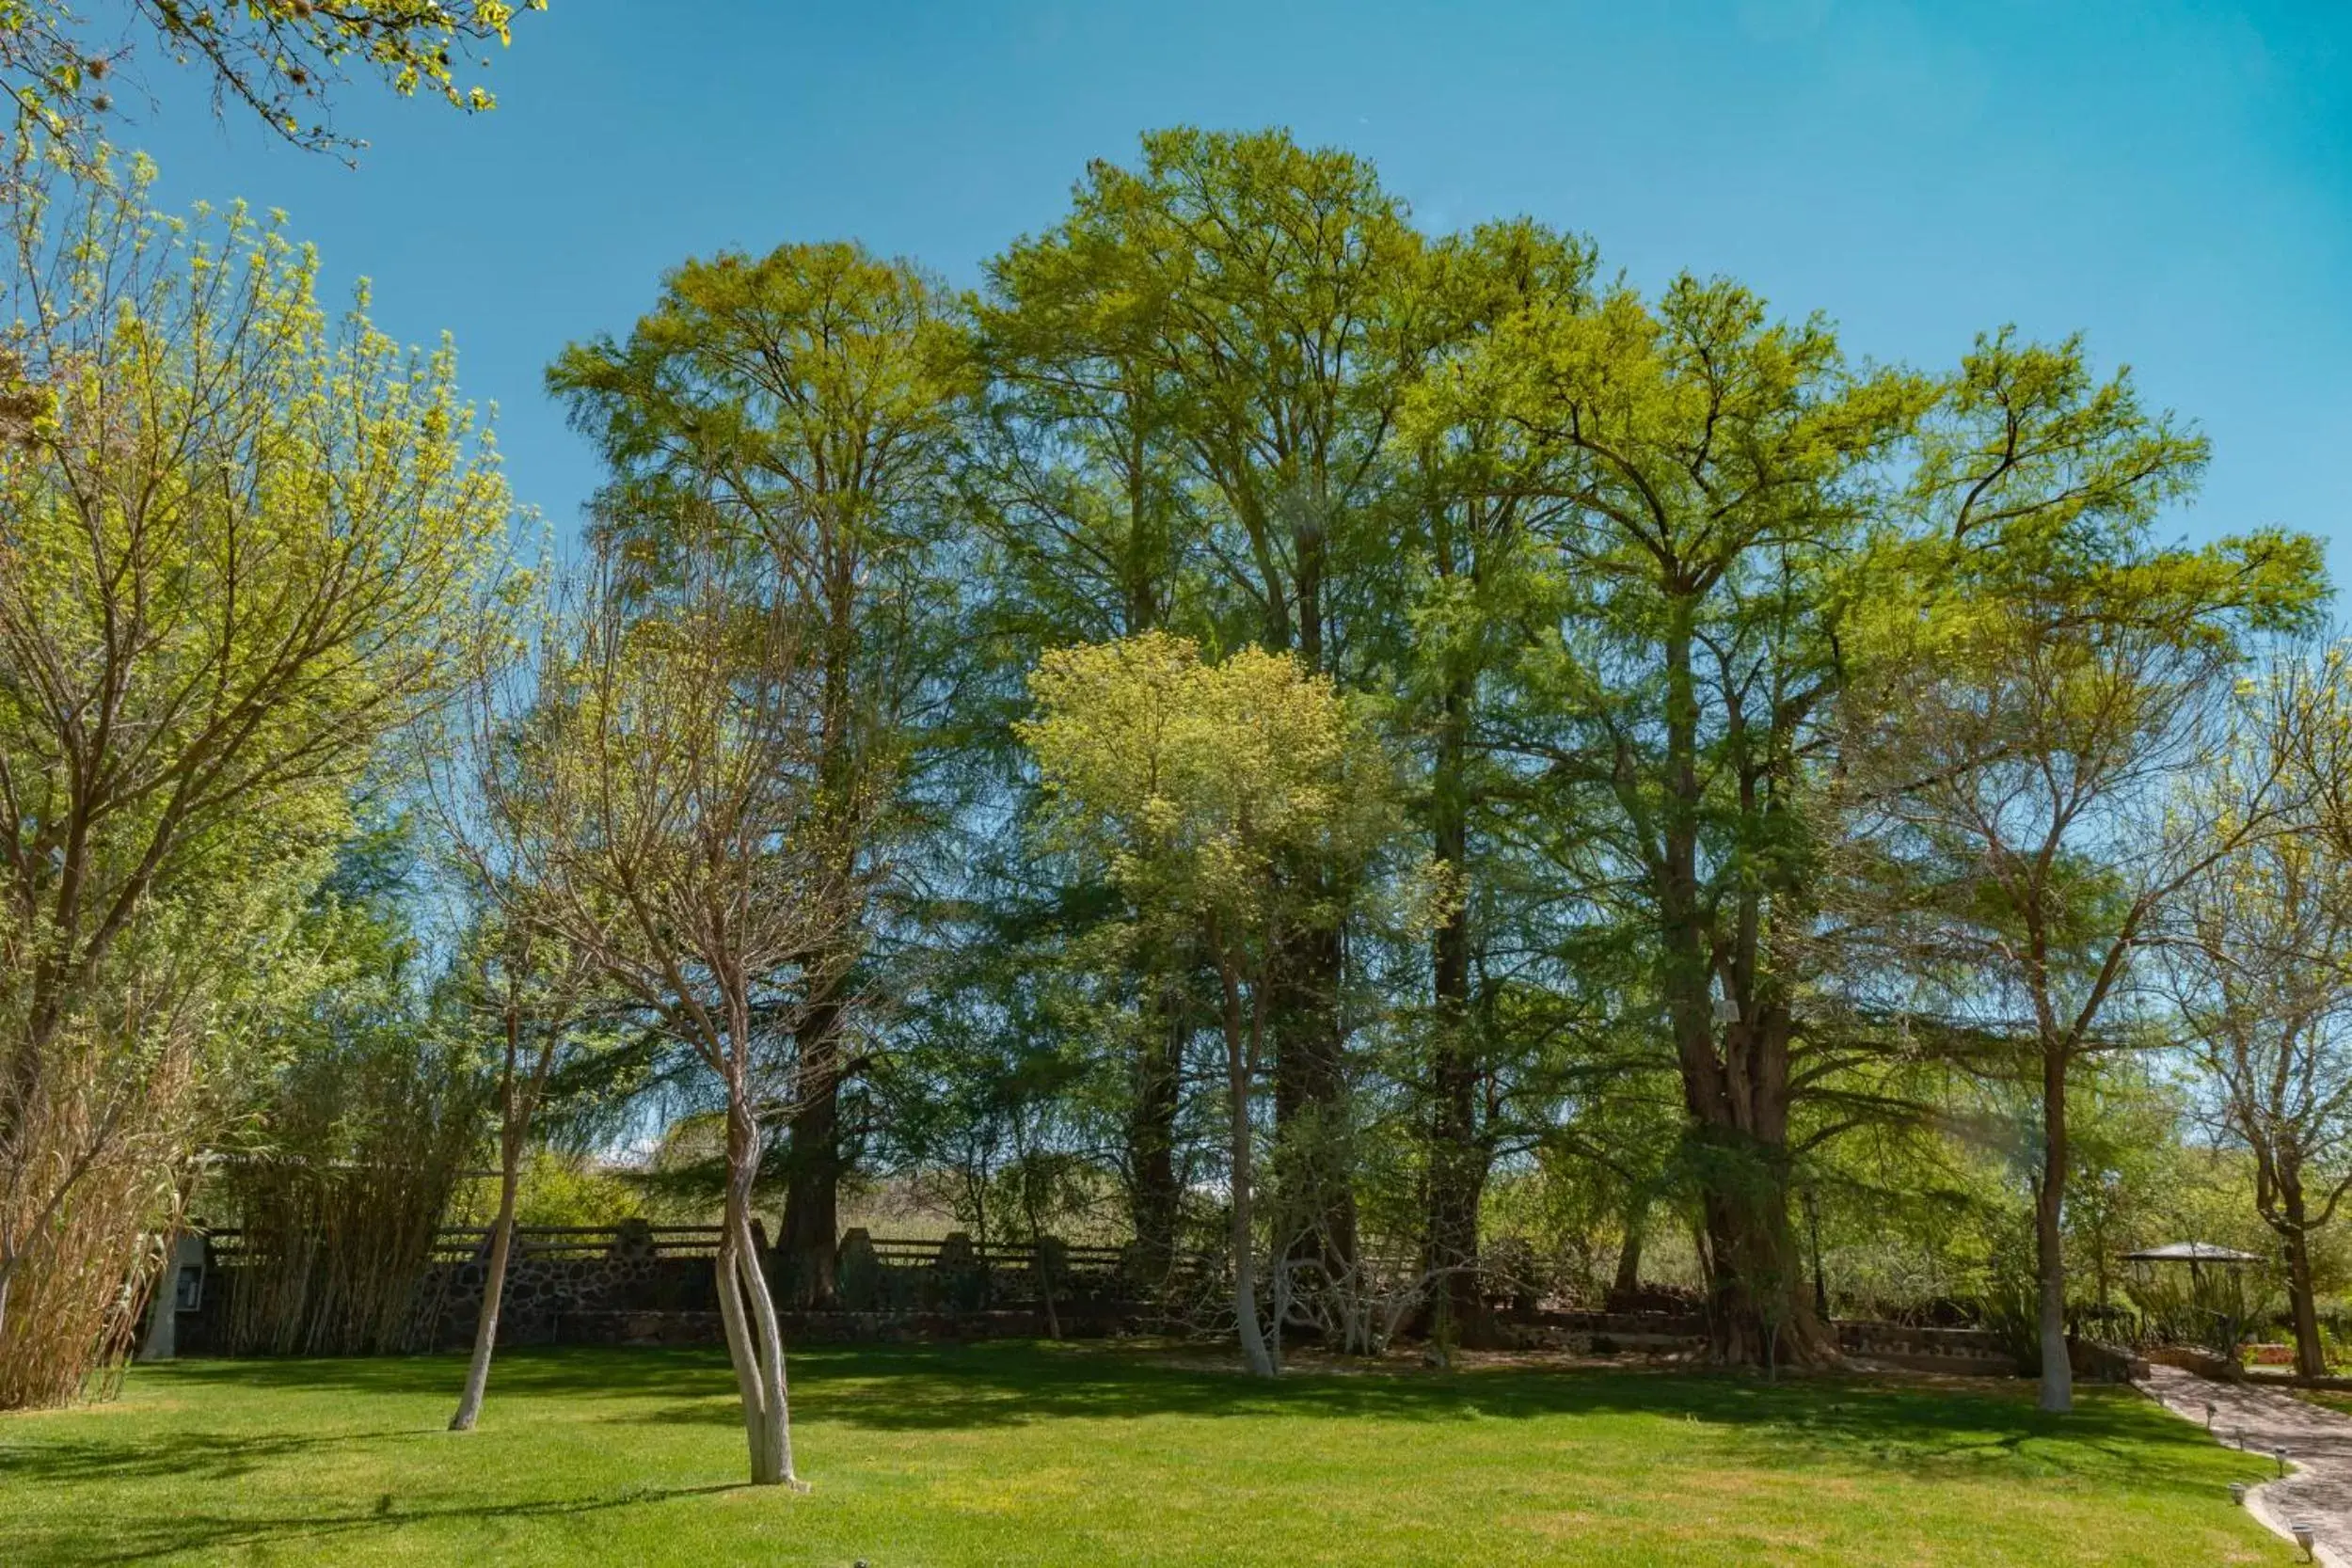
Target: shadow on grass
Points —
{"points": [[194, 1456], [201, 1532], [962, 1387]]}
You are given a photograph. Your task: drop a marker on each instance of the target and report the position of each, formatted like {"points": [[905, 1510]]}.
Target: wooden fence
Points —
{"points": [[460, 1244]]}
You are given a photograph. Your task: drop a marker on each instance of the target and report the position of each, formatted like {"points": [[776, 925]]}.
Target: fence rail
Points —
{"points": [[462, 1242], [912, 1252], [457, 1244]]}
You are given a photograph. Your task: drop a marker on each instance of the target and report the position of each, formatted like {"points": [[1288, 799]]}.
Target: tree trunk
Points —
{"points": [[1820, 1284], [1735, 1083], [1629, 1280], [1760, 1309], [516, 1103], [1302, 978], [1154, 1197], [1456, 1184], [1457, 1155], [1309, 1082], [485, 1328], [812, 1196], [1759, 1313], [1045, 1286], [748, 1313], [811, 1229], [1253, 1346], [2049, 1212], [2310, 1354], [767, 1337], [749, 1383]]}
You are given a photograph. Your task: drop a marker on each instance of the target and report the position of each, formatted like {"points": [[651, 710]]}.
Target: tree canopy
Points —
{"points": [[1389, 774]]}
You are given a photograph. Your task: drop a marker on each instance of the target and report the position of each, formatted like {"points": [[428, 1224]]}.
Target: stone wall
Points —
{"points": [[1602, 1333], [1967, 1352], [554, 1300], [1962, 1351]]}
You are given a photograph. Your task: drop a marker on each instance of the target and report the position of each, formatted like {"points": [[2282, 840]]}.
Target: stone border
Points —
{"points": [[2258, 1504], [2190, 1394]]}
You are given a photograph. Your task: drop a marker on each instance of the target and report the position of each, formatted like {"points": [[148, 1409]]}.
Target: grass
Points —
{"points": [[2327, 1399], [1047, 1456]]}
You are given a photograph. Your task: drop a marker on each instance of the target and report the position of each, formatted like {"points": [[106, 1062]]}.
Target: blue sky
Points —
{"points": [[2172, 179]]}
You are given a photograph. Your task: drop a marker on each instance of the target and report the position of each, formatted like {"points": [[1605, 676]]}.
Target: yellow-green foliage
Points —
{"points": [[247, 542], [557, 1189], [258, 536], [276, 57], [1190, 779]]}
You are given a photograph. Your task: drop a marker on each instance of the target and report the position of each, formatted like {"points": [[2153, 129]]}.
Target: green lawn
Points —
{"points": [[1051, 1455], [2327, 1399]]}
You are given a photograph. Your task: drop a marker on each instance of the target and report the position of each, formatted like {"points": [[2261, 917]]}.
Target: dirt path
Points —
{"points": [[2317, 1488]]}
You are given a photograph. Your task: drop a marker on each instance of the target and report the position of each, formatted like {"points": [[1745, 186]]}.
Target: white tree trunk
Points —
{"points": [[755, 1344], [767, 1343], [727, 1275], [485, 1328], [1253, 1346]]}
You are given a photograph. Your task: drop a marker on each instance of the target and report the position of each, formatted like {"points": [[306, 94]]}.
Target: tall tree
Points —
{"points": [[1251, 281], [1189, 781], [687, 846], [807, 402], [2259, 963], [1092, 534], [245, 546], [1467, 556], [1709, 470], [2040, 674]]}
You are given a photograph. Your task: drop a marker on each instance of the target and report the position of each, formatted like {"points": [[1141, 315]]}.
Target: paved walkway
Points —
{"points": [[2318, 1487]]}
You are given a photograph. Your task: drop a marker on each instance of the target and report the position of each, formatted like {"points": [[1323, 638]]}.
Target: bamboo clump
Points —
{"points": [[77, 1298]]}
